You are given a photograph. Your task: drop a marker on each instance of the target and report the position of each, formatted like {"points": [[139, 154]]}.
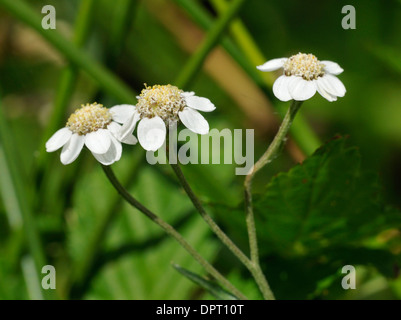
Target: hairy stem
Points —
{"points": [[267, 157], [208, 219], [253, 267], [172, 232]]}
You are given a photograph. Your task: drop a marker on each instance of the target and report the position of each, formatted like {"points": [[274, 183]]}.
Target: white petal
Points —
{"points": [[272, 65], [301, 89], [332, 67], [151, 133], [194, 121], [280, 88], [188, 94], [323, 92], [112, 155], [72, 149], [122, 112], [58, 139], [98, 141], [128, 127], [199, 103], [332, 85], [115, 130], [130, 140]]}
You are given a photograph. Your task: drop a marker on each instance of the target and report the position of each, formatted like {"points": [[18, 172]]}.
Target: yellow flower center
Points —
{"points": [[161, 101], [304, 65], [89, 118]]}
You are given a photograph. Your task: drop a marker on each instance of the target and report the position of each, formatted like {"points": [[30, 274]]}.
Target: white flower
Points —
{"points": [[303, 75], [96, 127], [161, 106]]}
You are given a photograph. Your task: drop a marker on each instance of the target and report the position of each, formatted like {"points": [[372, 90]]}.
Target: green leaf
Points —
{"points": [[327, 200], [214, 289]]}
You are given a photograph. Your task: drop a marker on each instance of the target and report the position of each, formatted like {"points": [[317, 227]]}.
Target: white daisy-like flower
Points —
{"points": [[303, 75], [163, 105], [97, 128]]}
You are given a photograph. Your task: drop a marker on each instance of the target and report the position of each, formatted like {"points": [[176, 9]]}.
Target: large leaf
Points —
{"points": [[325, 201]]}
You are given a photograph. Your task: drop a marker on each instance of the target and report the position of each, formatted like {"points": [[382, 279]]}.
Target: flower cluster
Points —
{"points": [[103, 130]]}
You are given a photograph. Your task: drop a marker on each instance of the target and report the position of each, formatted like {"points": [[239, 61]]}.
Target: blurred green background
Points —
{"points": [[70, 216]]}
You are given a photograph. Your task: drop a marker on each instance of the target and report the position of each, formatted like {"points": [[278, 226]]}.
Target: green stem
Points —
{"points": [[106, 79], [172, 232], [253, 267], [208, 219], [267, 157], [83, 267], [278, 140], [215, 33]]}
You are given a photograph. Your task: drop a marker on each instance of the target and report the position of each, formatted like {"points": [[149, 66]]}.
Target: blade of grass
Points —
{"points": [[211, 287], [387, 55], [245, 41], [32, 281], [15, 196], [202, 18], [195, 63], [106, 79], [119, 29]]}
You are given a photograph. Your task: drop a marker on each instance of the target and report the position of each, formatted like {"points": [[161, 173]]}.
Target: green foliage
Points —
{"points": [[312, 219], [133, 263], [327, 200], [319, 216]]}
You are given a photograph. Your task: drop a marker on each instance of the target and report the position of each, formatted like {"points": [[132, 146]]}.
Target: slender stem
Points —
{"points": [[253, 267], [83, 267], [172, 232], [270, 153], [266, 158], [208, 219], [278, 140]]}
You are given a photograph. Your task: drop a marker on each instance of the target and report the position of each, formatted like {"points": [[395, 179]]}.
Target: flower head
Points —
{"points": [[303, 75], [162, 105], [96, 127]]}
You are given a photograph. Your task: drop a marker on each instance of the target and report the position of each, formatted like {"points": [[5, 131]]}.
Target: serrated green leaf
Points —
{"points": [[327, 200]]}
